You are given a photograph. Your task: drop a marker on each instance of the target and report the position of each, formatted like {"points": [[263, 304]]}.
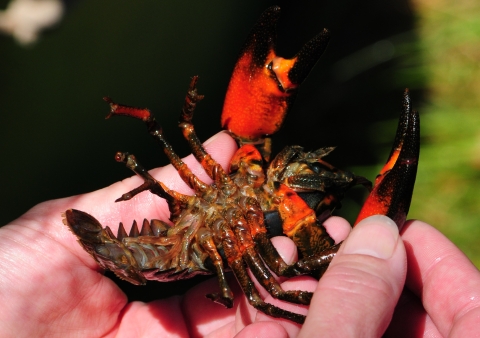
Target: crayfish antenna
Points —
{"points": [[392, 193]]}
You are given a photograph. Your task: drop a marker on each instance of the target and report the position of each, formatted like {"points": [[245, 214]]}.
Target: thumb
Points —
{"points": [[357, 294]]}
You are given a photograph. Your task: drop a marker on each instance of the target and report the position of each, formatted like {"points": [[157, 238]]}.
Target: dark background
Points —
{"points": [[55, 142]]}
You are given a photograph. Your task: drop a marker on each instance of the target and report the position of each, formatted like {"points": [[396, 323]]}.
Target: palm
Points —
{"points": [[59, 288], [59, 285], [49, 286]]}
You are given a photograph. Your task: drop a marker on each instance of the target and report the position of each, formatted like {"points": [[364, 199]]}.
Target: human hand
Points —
{"points": [[50, 286], [358, 294]]}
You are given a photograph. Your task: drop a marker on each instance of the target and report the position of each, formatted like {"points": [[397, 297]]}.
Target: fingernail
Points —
{"points": [[375, 236]]}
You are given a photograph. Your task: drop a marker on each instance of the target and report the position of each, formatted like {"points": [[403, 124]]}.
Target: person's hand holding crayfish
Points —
{"points": [[49, 286]]}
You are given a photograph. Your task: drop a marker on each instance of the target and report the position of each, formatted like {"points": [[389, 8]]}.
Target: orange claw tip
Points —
{"points": [[263, 84], [392, 193]]}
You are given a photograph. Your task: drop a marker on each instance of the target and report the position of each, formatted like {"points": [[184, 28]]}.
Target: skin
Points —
{"points": [[50, 287]]}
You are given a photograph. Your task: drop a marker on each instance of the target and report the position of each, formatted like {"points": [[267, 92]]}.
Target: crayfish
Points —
{"points": [[226, 226]]}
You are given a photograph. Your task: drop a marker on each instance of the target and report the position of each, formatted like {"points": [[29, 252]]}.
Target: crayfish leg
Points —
{"points": [[150, 183], [234, 242], [256, 300], [392, 193], [225, 297], [301, 225], [174, 199], [242, 230], [212, 168], [154, 128]]}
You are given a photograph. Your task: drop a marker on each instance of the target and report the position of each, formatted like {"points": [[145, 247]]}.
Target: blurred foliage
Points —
{"points": [[447, 67], [447, 193]]}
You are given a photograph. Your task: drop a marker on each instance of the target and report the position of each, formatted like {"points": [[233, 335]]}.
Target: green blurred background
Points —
{"points": [[54, 141]]}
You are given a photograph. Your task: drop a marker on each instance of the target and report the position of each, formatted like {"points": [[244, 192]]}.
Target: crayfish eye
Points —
{"points": [[316, 167]]}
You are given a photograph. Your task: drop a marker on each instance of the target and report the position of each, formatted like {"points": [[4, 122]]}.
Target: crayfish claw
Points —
{"points": [[308, 56], [392, 193], [264, 84]]}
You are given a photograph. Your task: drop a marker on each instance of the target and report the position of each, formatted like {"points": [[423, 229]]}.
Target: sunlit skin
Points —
{"points": [[51, 287]]}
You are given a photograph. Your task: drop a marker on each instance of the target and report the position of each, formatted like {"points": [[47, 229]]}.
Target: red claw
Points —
{"points": [[263, 84], [392, 193]]}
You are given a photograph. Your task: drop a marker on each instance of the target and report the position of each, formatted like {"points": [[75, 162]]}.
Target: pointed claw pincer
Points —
{"points": [[263, 84], [392, 193]]}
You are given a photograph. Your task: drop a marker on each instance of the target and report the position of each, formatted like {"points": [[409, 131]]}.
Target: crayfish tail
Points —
{"points": [[85, 227], [103, 246]]}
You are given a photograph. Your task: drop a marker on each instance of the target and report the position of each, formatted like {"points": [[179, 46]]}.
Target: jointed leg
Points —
{"points": [[155, 130], [248, 252], [225, 297], [213, 169], [236, 262]]}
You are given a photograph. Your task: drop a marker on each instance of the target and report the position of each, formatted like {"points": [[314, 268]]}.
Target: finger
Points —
{"points": [[160, 318], [101, 203], [444, 278], [212, 316], [338, 228], [263, 329], [215, 318], [410, 319], [357, 294]]}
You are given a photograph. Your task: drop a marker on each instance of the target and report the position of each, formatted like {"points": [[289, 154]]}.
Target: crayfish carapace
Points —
{"points": [[227, 225]]}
